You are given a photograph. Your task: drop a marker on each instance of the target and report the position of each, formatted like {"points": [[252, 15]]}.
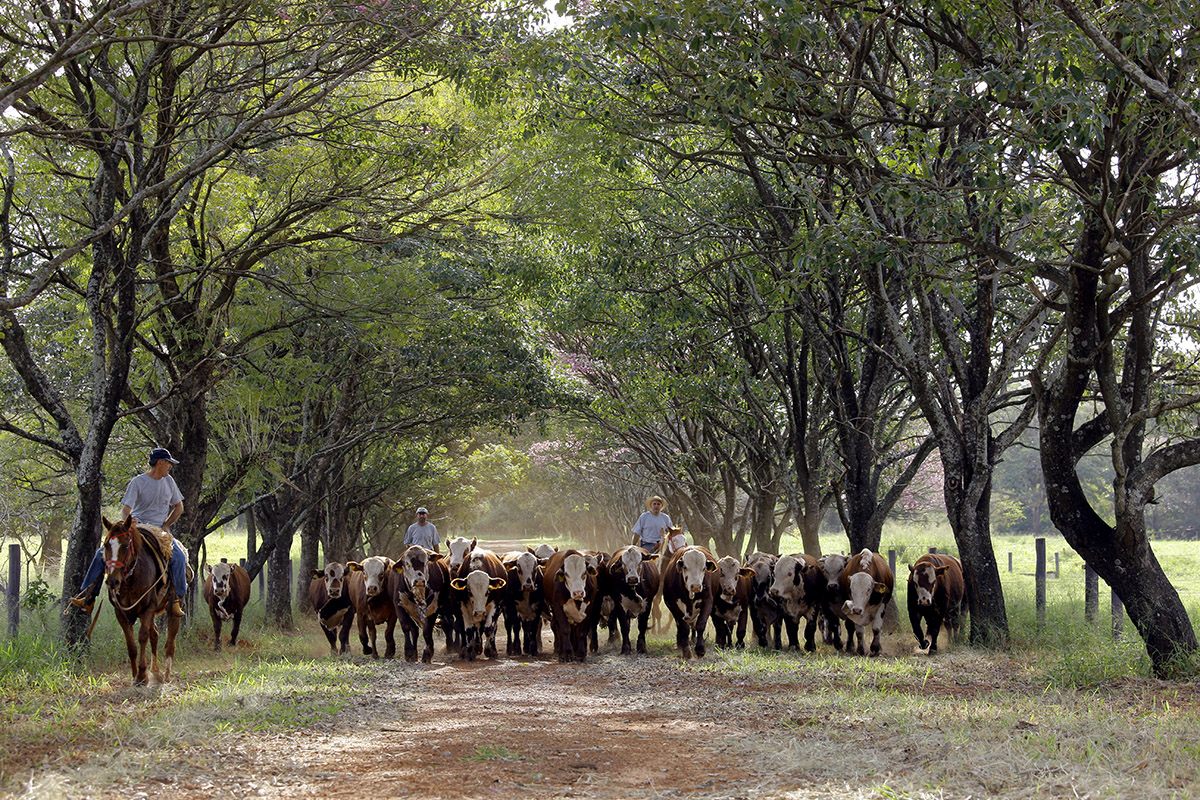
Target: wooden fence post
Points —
{"points": [[1056, 564], [1091, 593], [1010, 560], [14, 590], [1118, 616], [1040, 581]]}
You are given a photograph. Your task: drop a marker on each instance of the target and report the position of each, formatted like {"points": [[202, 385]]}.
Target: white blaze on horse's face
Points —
{"points": [[694, 567], [459, 546], [375, 571], [527, 571], [220, 577], [335, 579]]}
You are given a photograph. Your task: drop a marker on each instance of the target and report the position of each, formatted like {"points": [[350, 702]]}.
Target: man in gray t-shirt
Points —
{"points": [[422, 532]]}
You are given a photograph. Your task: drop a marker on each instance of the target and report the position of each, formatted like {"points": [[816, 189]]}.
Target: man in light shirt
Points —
{"points": [[422, 532]]}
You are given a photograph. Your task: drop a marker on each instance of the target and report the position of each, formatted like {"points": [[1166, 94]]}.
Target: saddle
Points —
{"points": [[162, 540]]}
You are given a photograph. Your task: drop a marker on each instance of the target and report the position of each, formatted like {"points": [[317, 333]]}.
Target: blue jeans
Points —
{"points": [[177, 566]]}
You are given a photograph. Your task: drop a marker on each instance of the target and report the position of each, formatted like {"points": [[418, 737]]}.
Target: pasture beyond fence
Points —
{"points": [[12, 588]]}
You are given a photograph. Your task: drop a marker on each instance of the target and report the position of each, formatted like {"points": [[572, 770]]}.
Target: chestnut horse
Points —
{"points": [[140, 589]]}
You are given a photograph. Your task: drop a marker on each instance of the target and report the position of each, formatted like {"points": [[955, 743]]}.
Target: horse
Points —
{"points": [[140, 589]]}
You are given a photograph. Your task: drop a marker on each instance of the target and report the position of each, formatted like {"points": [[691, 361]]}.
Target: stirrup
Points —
{"points": [[176, 610], [83, 603]]}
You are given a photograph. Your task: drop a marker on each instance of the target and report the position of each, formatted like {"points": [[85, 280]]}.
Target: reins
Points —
{"points": [[161, 579]]}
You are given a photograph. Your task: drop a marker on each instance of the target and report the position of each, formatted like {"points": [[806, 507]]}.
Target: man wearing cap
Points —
{"points": [[422, 532], [648, 530], [153, 499]]}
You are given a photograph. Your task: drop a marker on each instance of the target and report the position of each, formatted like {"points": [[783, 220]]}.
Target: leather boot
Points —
{"points": [[176, 609], [83, 602]]}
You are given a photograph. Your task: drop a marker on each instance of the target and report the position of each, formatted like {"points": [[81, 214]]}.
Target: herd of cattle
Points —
{"points": [[467, 592]]}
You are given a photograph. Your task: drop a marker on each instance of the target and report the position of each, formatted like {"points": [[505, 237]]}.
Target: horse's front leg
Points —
{"points": [[147, 634], [132, 648]]}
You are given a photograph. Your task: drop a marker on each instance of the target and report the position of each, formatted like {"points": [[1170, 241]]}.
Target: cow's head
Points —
{"points": [[414, 566], [478, 588], [763, 566], [728, 573], [694, 566], [573, 574], [923, 578], [221, 574], [626, 564], [525, 571], [543, 552], [374, 571], [334, 576], [789, 578], [458, 547], [832, 566]]}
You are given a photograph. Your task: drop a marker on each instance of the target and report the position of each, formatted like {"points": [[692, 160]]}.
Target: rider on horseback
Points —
{"points": [[153, 499]]}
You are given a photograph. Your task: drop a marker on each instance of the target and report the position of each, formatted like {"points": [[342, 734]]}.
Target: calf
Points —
{"points": [[331, 601], [632, 584], [935, 594], [832, 565], [766, 615], [372, 588], [524, 603], [799, 587], [571, 590], [478, 586], [731, 603], [226, 590], [867, 584], [689, 586], [422, 590]]}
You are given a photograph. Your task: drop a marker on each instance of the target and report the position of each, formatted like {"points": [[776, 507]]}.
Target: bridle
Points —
{"points": [[112, 564], [131, 559]]}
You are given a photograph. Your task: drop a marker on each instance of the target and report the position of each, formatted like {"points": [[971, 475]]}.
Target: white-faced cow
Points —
{"points": [[832, 565], [731, 604], [632, 583], [766, 615], [935, 594], [422, 591], [479, 587], [689, 586], [372, 588], [226, 590], [799, 587], [571, 589], [543, 552], [867, 585], [524, 602], [456, 553], [331, 601]]}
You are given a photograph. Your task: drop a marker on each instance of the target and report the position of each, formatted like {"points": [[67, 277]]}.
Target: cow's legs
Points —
{"points": [[810, 632], [914, 617], [643, 624], [216, 622], [623, 623], [793, 631], [877, 634], [741, 630]]}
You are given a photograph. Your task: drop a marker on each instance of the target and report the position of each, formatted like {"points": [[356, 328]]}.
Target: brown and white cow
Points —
{"points": [[372, 588], [605, 610], [456, 552], [689, 586], [226, 590], [543, 552], [632, 584], [832, 565], [422, 591], [799, 586], [331, 601], [524, 602], [766, 615], [479, 586], [867, 585], [731, 604], [570, 585], [935, 594]]}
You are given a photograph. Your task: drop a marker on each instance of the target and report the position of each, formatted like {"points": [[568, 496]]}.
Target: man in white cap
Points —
{"points": [[422, 532], [153, 499]]}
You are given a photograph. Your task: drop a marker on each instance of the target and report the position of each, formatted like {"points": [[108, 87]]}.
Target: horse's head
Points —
{"points": [[121, 545]]}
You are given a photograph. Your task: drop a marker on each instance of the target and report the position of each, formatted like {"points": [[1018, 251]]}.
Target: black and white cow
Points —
{"points": [[799, 587], [524, 602], [331, 601], [731, 603], [633, 584], [832, 565], [766, 614]]}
